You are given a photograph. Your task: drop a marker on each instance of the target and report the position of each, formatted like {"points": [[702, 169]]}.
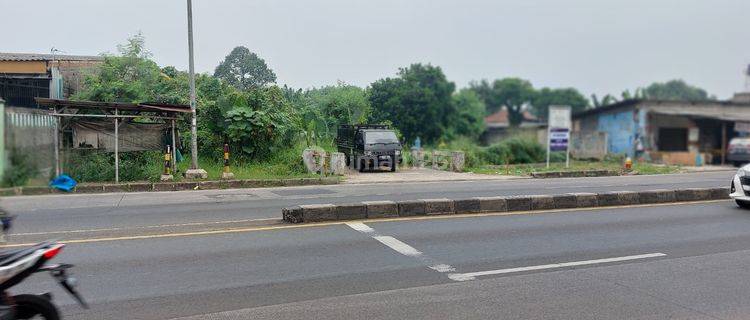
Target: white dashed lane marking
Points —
{"points": [[401, 247]]}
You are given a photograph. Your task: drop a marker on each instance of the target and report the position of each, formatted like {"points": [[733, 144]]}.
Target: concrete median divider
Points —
{"points": [[542, 202], [410, 208], [381, 209], [438, 206], [423, 207], [492, 204]]}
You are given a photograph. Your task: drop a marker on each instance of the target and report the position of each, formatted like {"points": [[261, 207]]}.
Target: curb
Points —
{"points": [[171, 186], [426, 207], [575, 174]]}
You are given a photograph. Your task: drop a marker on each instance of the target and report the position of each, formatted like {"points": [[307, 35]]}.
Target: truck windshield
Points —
{"points": [[381, 137]]}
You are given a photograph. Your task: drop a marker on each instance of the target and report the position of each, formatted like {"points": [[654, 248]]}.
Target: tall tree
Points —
{"points": [[244, 70], [418, 102], [675, 90], [513, 94], [566, 96], [483, 90], [468, 121]]}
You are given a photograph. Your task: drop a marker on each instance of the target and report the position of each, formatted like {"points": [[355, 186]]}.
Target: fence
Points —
{"points": [[29, 133]]}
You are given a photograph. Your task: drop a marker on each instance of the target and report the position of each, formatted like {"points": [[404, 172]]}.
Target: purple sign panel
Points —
{"points": [[558, 139]]}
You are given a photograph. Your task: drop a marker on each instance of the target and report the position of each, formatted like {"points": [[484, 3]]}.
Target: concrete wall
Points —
{"points": [[31, 132], [621, 128]]}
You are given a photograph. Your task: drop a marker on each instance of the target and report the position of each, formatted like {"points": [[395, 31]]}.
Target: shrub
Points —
{"points": [[98, 166], [473, 154], [515, 151], [19, 170]]}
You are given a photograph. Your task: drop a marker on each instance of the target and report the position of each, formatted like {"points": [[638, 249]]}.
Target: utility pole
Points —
{"points": [[194, 172]]}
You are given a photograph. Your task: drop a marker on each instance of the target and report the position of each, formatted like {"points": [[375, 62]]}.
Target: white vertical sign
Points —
{"points": [[558, 131]]}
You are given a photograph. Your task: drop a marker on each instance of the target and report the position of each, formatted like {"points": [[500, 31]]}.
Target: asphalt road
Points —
{"points": [[684, 261], [116, 214], [221, 254]]}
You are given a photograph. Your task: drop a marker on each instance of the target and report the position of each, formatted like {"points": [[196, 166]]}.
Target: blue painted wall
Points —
{"points": [[621, 129]]}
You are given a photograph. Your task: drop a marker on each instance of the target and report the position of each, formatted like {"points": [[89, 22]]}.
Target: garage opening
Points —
{"points": [[673, 139]]}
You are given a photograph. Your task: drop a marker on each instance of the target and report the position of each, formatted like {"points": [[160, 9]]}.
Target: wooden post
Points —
{"points": [[174, 150], [723, 142], [117, 148], [56, 138]]}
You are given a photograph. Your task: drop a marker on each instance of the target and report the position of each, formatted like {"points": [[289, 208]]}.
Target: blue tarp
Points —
{"points": [[63, 182]]}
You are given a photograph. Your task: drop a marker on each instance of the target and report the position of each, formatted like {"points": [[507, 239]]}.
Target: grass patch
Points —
{"points": [[575, 165]]}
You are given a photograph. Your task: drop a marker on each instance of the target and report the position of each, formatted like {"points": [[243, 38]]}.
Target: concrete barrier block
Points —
{"points": [[656, 196], [292, 214], [411, 208], [140, 187], [586, 199], [438, 206], [351, 211], [564, 201], [185, 185], [627, 197], [381, 209], [542, 202], [466, 205], [35, 190], [94, 188], [720, 193], [318, 212], [111, 188], [164, 186], [492, 204], [518, 203], [6, 192], [210, 185], [693, 194], [608, 199]]}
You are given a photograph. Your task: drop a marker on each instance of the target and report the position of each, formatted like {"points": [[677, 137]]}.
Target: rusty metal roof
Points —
{"points": [[11, 56], [678, 106], [143, 107]]}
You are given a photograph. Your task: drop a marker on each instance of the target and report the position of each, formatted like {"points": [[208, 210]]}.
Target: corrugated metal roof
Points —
{"points": [[662, 103], [11, 56], [153, 107]]}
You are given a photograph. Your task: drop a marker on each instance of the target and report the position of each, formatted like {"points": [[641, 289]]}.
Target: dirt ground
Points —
{"points": [[418, 175]]}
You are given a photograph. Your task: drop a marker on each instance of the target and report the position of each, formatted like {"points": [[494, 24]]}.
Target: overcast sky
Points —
{"points": [[597, 46]]}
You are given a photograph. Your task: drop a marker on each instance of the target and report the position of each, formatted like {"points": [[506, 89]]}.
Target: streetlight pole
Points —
{"points": [[194, 172]]}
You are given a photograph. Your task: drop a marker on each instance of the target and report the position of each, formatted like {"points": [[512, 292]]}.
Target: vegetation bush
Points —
{"points": [[97, 166], [515, 151], [19, 170]]}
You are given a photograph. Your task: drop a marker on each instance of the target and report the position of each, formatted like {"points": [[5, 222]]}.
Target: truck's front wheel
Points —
{"points": [[393, 164]]}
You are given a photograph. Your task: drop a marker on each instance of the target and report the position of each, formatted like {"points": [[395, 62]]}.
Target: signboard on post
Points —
{"points": [[558, 131]]}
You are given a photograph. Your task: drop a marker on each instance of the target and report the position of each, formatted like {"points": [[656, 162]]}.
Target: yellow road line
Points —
{"points": [[189, 224], [324, 224]]}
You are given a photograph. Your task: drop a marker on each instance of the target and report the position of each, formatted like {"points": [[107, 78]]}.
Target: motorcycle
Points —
{"points": [[17, 265]]}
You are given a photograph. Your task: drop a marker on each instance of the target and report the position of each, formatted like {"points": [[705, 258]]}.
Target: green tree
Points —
{"points": [[343, 104], [483, 90], [468, 120], [258, 122], [546, 97], [128, 77], [418, 102], [244, 70], [513, 94], [605, 100], [675, 90]]}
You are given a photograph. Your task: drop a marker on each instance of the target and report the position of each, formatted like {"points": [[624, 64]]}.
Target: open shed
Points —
{"points": [[113, 127]]}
